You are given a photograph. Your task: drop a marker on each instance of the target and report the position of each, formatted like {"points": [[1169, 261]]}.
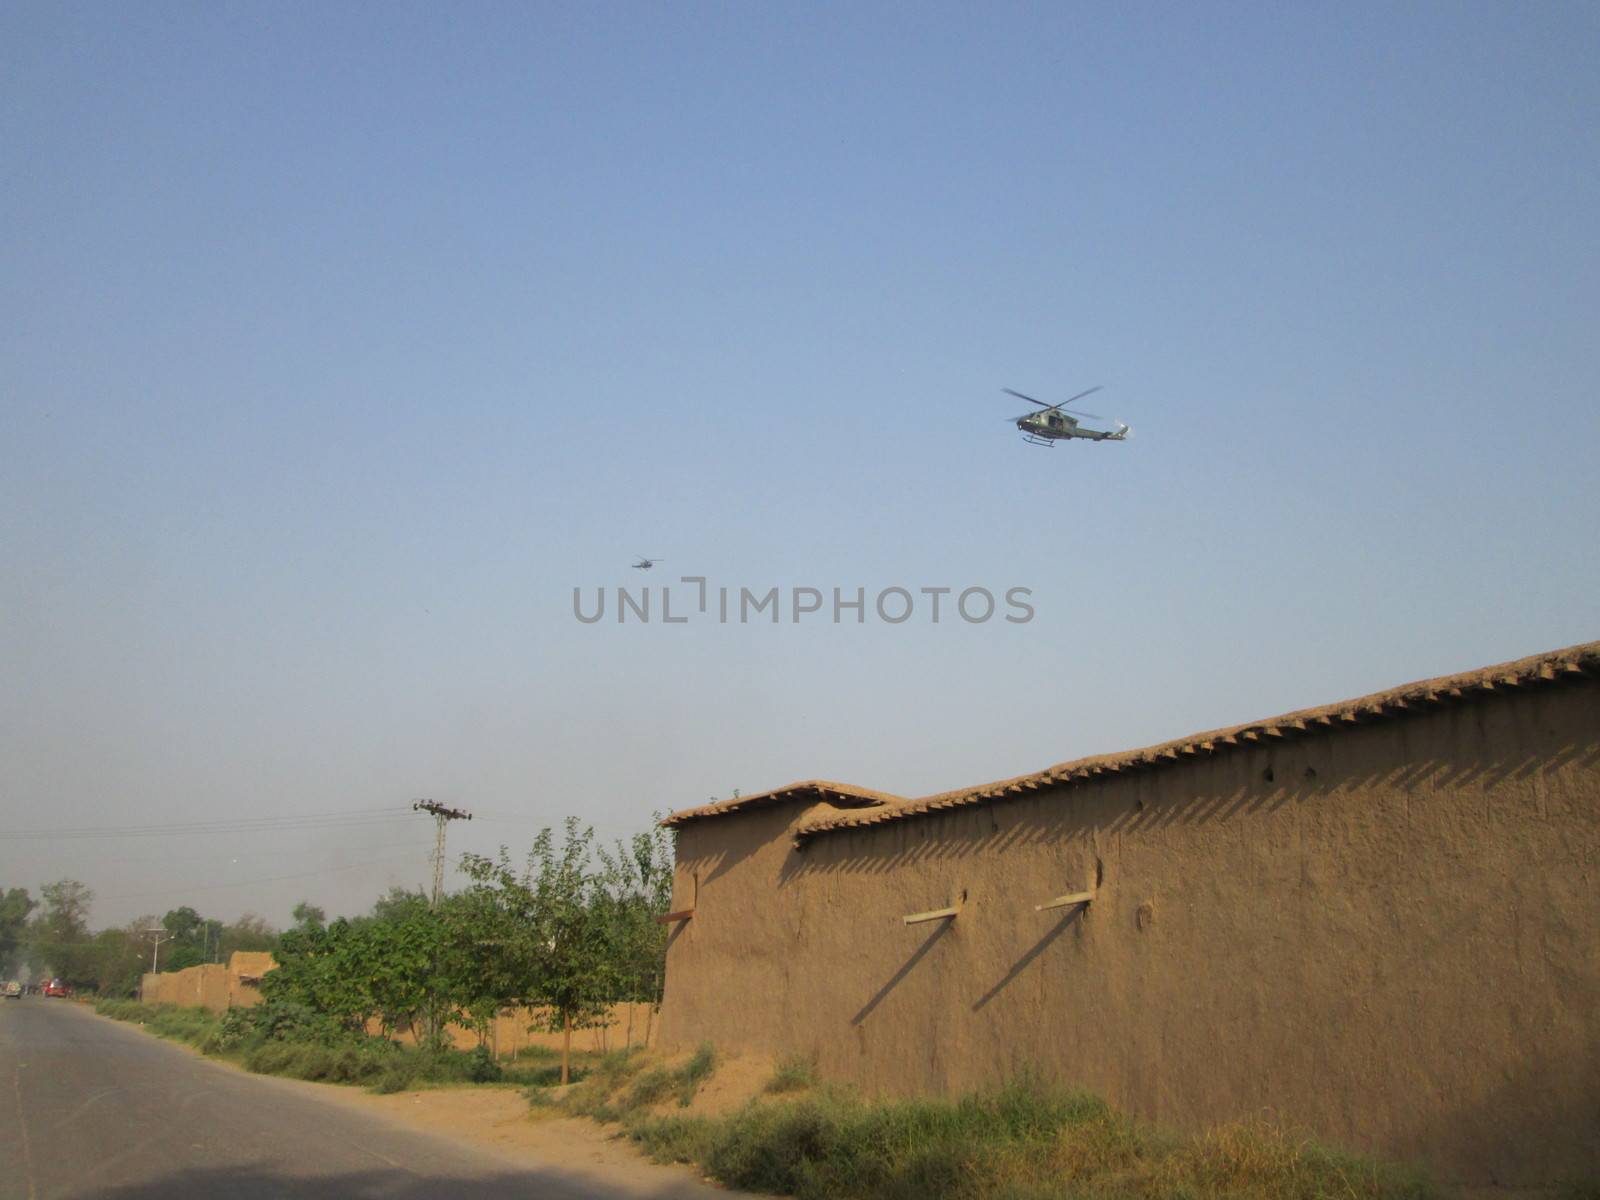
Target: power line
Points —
{"points": [[184, 889], [249, 854], [355, 818]]}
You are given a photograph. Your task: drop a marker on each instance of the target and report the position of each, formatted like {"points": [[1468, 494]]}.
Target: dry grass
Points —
{"points": [[624, 1085], [1022, 1142]]}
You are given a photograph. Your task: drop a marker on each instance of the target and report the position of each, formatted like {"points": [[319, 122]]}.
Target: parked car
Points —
{"points": [[12, 990], [56, 988]]}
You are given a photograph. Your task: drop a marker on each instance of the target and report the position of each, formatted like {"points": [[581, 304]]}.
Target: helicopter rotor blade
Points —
{"points": [[1063, 405], [1078, 413], [1029, 399], [1080, 395]]}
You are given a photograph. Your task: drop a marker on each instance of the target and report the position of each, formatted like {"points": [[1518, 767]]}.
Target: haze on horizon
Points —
{"points": [[342, 345]]}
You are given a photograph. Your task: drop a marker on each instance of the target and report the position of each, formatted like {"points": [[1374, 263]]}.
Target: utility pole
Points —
{"points": [[442, 816], [157, 936]]}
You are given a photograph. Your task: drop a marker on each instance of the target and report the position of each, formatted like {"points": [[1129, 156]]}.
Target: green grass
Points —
{"points": [[692, 1074], [792, 1075], [1021, 1142], [269, 1044], [192, 1026]]}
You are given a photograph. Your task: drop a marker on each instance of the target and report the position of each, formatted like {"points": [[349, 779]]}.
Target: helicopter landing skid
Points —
{"points": [[1047, 443]]}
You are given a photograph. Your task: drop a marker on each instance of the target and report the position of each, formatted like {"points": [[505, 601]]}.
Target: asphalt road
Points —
{"points": [[91, 1108]]}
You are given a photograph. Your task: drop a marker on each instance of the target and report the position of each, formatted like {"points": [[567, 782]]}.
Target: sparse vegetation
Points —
{"points": [[688, 1078], [792, 1075], [624, 1085]]}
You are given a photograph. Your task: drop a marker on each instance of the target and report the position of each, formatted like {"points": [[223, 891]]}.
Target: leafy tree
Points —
{"points": [[59, 942], [410, 967], [571, 932], [548, 930], [15, 905], [122, 956], [187, 947], [309, 916], [318, 969], [398, 902], [249, 932], [635, 889]]}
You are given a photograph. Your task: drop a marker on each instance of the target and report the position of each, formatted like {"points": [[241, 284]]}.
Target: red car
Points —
{"points": [[56, 988]]}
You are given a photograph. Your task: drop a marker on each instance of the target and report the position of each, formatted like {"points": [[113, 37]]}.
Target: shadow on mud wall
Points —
{"points": [[1144, 800], [1539, 1127], [1022, 964], [261, 1183], [905, 969]]}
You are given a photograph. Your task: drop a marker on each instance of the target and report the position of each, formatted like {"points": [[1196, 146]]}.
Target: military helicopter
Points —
{"points": [[644, 564], [1055, 424]]}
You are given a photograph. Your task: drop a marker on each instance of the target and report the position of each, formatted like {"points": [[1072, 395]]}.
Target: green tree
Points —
{"points": [[319, 968], [552, 949], [59, 941], [15, 905], [309, 916], [122, 956], [398, 902], [636, 889], [190, 933], [249, 932]]}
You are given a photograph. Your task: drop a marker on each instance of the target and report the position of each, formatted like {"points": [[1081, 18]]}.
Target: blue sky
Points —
{"points": [[342, 342]]}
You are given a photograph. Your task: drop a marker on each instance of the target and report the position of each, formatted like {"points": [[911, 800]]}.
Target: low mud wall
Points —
{"points": [[216, 986], [193, 987], [1386, 933], [513, 1031]]}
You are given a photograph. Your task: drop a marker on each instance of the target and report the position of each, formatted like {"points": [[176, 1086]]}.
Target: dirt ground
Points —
{"points": [[737, 1079], [501, 1119]]}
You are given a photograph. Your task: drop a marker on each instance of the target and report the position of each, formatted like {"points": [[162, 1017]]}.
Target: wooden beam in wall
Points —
{"points": [[680, 915], [1065, 901], [936, 914]]}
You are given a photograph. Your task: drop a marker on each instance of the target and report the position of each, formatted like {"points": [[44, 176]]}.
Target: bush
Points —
{"points": [[481, 1066], [235, 1030], [352, 1062], [407, 1068], [650, 1087], [792, 1075], [287, 1021]]}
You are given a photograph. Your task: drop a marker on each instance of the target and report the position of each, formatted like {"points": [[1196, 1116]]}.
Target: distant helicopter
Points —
{"points": [[1054, 424], [644, 564]]}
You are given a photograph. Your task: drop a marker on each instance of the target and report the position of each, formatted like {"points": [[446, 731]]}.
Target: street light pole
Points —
{"points": [[157, 936]]}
